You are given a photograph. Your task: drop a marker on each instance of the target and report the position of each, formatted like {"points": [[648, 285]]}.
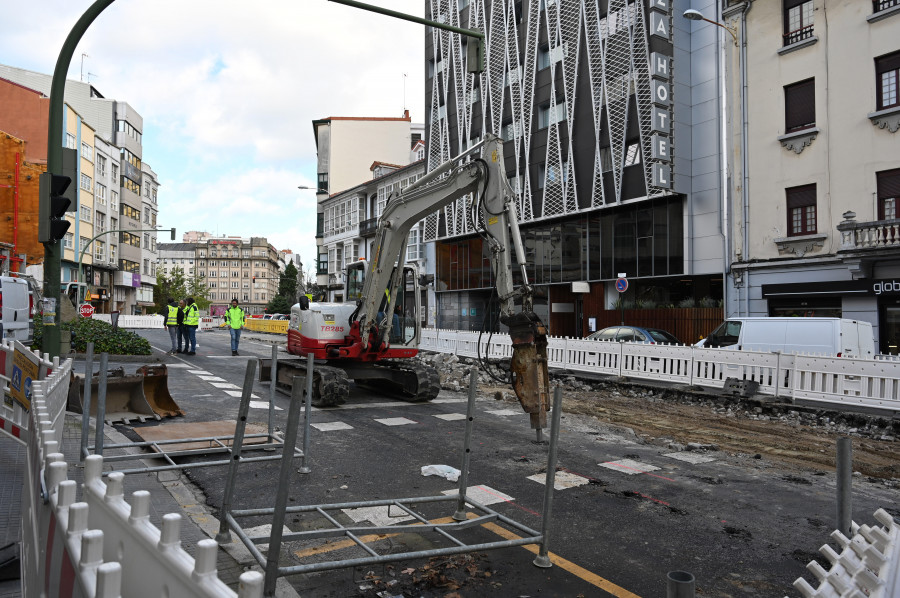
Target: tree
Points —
{"points": [[287, 285], [199, 290], [177, 287], [279, 305]]}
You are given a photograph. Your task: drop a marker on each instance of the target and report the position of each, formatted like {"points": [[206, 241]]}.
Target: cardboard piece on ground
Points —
{"points": [[198, 430]]}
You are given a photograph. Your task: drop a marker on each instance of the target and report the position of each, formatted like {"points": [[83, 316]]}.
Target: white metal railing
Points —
{"points": [[14, 415], [873, 384], [868, 564], [102, 547], [125, 321]]}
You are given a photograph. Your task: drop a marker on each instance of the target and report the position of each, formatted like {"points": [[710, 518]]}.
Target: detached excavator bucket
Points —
{"points": [[156, 390], [531, 378], [143, 395]]}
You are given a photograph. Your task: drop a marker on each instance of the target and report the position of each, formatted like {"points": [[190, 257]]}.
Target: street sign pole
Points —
{"points": [[622, 286]]}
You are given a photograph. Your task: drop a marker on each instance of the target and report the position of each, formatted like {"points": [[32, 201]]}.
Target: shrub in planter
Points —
{"points": [[105, 339]]}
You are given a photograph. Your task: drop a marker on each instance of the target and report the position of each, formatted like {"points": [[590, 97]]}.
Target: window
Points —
{"points": [[128, 129], [605, 159], [544, 116], [131, 212], [887, 72], [543, 57], [87, 152], [800, 106], [801, 210], [85, 213], [888, 193], [71, 143], [322, 186], [99, 250], [798, 21], [68, 240], [130, 239], [83, 244], [85, 182], [542, 173], [633, 155], [146, 240], [101, 165], [100, 193], [879, 5]]}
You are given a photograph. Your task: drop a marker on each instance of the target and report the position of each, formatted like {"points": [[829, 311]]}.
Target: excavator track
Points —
{"points": [[331, 386], [416, 382]]}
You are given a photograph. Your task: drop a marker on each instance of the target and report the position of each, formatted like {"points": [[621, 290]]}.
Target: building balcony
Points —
{"points": [[368, 227], [880, 234]]}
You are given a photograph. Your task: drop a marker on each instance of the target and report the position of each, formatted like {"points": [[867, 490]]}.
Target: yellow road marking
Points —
{"points": [[576, 570]]}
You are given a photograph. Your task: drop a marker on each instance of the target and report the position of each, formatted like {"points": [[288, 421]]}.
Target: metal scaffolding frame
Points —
{"points": [[463, 520], [217, 444]]}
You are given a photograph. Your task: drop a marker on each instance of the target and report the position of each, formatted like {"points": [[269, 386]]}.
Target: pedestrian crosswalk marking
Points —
{"points": [[504, 412], [450, 416], [224, 385], [331, 426], [263, 405], [237, 393], [562, 481], [395, 421], [211, 378], [200, 372], [629, 466]]}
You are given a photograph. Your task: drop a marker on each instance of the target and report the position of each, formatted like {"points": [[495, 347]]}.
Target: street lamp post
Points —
{"points": [[696, 15]]}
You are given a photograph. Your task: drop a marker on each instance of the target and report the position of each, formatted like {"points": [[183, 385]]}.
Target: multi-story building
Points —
{"points": [[816, 163], [346, 148], [105, 247], [235, 267], [351, 218], [120, 126], [177, 255], [612, 124]]}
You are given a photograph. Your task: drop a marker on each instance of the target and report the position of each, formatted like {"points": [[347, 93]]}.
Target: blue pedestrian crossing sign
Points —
{"points": [[621, 285]]}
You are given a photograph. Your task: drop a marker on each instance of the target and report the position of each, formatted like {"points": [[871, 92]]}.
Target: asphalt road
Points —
{"points": [[634, 511]]}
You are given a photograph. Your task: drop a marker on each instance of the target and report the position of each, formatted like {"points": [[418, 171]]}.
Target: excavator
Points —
{"points": [[371, 337]]}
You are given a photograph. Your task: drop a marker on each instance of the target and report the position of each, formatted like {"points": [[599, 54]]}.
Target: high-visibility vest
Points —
{"points": [[191, 315], [235, 317], [172, 318]]}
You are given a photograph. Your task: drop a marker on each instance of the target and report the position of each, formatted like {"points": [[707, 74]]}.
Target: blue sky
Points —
{"points": [[228, 91]]}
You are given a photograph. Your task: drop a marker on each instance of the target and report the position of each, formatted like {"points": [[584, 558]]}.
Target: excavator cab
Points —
{"points": [[404, 322]]}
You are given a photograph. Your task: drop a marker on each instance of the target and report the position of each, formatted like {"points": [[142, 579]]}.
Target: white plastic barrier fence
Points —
{"points": [[153, 321], [868, 565], [101, 546], [827, 381], [13, 415]]}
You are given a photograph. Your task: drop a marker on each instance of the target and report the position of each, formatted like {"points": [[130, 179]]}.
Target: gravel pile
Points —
{"points": [[454, 372]]}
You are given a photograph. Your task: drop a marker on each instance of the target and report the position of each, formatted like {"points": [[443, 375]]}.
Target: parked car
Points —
{"points": [[839, 337], [17, 307], [634, 334]]}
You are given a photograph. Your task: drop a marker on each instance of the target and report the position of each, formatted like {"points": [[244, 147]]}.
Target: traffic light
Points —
{"points": [[52, 223]]}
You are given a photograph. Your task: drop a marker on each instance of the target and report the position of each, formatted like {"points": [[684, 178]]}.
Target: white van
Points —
{"points": [[17, 307], [817, 336]]}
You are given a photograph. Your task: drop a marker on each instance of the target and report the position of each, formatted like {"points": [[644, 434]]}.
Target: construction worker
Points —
{"points": [[182, 329], [234, 317], [171, 315], [191, 321]]}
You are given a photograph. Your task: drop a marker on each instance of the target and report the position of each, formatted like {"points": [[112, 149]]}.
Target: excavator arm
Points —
{"points": [[478, 171]]}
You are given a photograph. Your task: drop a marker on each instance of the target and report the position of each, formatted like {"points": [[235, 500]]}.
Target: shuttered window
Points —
{"points": [[801, 210], [888, 193], [800, 106], [887, 73]]}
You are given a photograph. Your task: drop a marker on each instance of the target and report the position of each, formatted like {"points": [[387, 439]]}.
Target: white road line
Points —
{"points": [[263, 405], [225, 385], [211, 378], [238, 393], [200, 372], [505, 412]]}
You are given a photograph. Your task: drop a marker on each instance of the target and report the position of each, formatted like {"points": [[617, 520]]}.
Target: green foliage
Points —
{"points": [[287, 285], [105, 339], [279, 305], [178, 287]]}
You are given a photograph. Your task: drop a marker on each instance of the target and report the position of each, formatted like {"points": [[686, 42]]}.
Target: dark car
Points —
{"points": [[634, 334]]}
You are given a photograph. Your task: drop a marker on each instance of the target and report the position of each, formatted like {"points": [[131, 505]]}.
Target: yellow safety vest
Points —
{"points": [[172, 319], [191, 315], [235, 317]]}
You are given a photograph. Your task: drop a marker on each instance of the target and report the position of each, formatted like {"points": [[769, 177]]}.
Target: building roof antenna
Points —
{"points": [[83, 56]]}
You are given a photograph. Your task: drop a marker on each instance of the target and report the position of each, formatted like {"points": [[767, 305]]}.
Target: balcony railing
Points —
{"points": [[881, 234], [879, 5], [798, 35], [367, 227]]}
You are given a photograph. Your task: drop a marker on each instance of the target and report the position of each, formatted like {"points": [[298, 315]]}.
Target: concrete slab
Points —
{"points": [[694, 458], [198, 430]]}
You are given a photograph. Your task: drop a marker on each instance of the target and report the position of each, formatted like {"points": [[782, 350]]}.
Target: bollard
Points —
{"points": [[844, 465], [679, 584]]}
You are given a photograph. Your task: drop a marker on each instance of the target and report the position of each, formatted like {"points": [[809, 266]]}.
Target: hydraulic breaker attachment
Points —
{"points": [[530, 377]]}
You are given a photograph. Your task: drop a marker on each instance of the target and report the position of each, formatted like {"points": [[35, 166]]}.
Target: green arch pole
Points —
{"points": [[52, 251]]}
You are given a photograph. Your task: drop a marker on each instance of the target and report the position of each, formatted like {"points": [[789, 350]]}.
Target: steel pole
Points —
{"points": [[460, 514], [53, 251], [86, 400], [844, 463], [543, 558], [101, 404], [304, 468]]}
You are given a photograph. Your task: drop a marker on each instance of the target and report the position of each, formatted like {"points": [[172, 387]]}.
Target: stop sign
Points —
{"points": [[87, 310]]}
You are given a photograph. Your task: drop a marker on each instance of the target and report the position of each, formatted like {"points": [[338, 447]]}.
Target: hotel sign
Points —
{"points": [[661, 88]]}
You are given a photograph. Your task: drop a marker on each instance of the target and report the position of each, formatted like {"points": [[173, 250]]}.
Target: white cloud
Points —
{"points": [[228, 91]]}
